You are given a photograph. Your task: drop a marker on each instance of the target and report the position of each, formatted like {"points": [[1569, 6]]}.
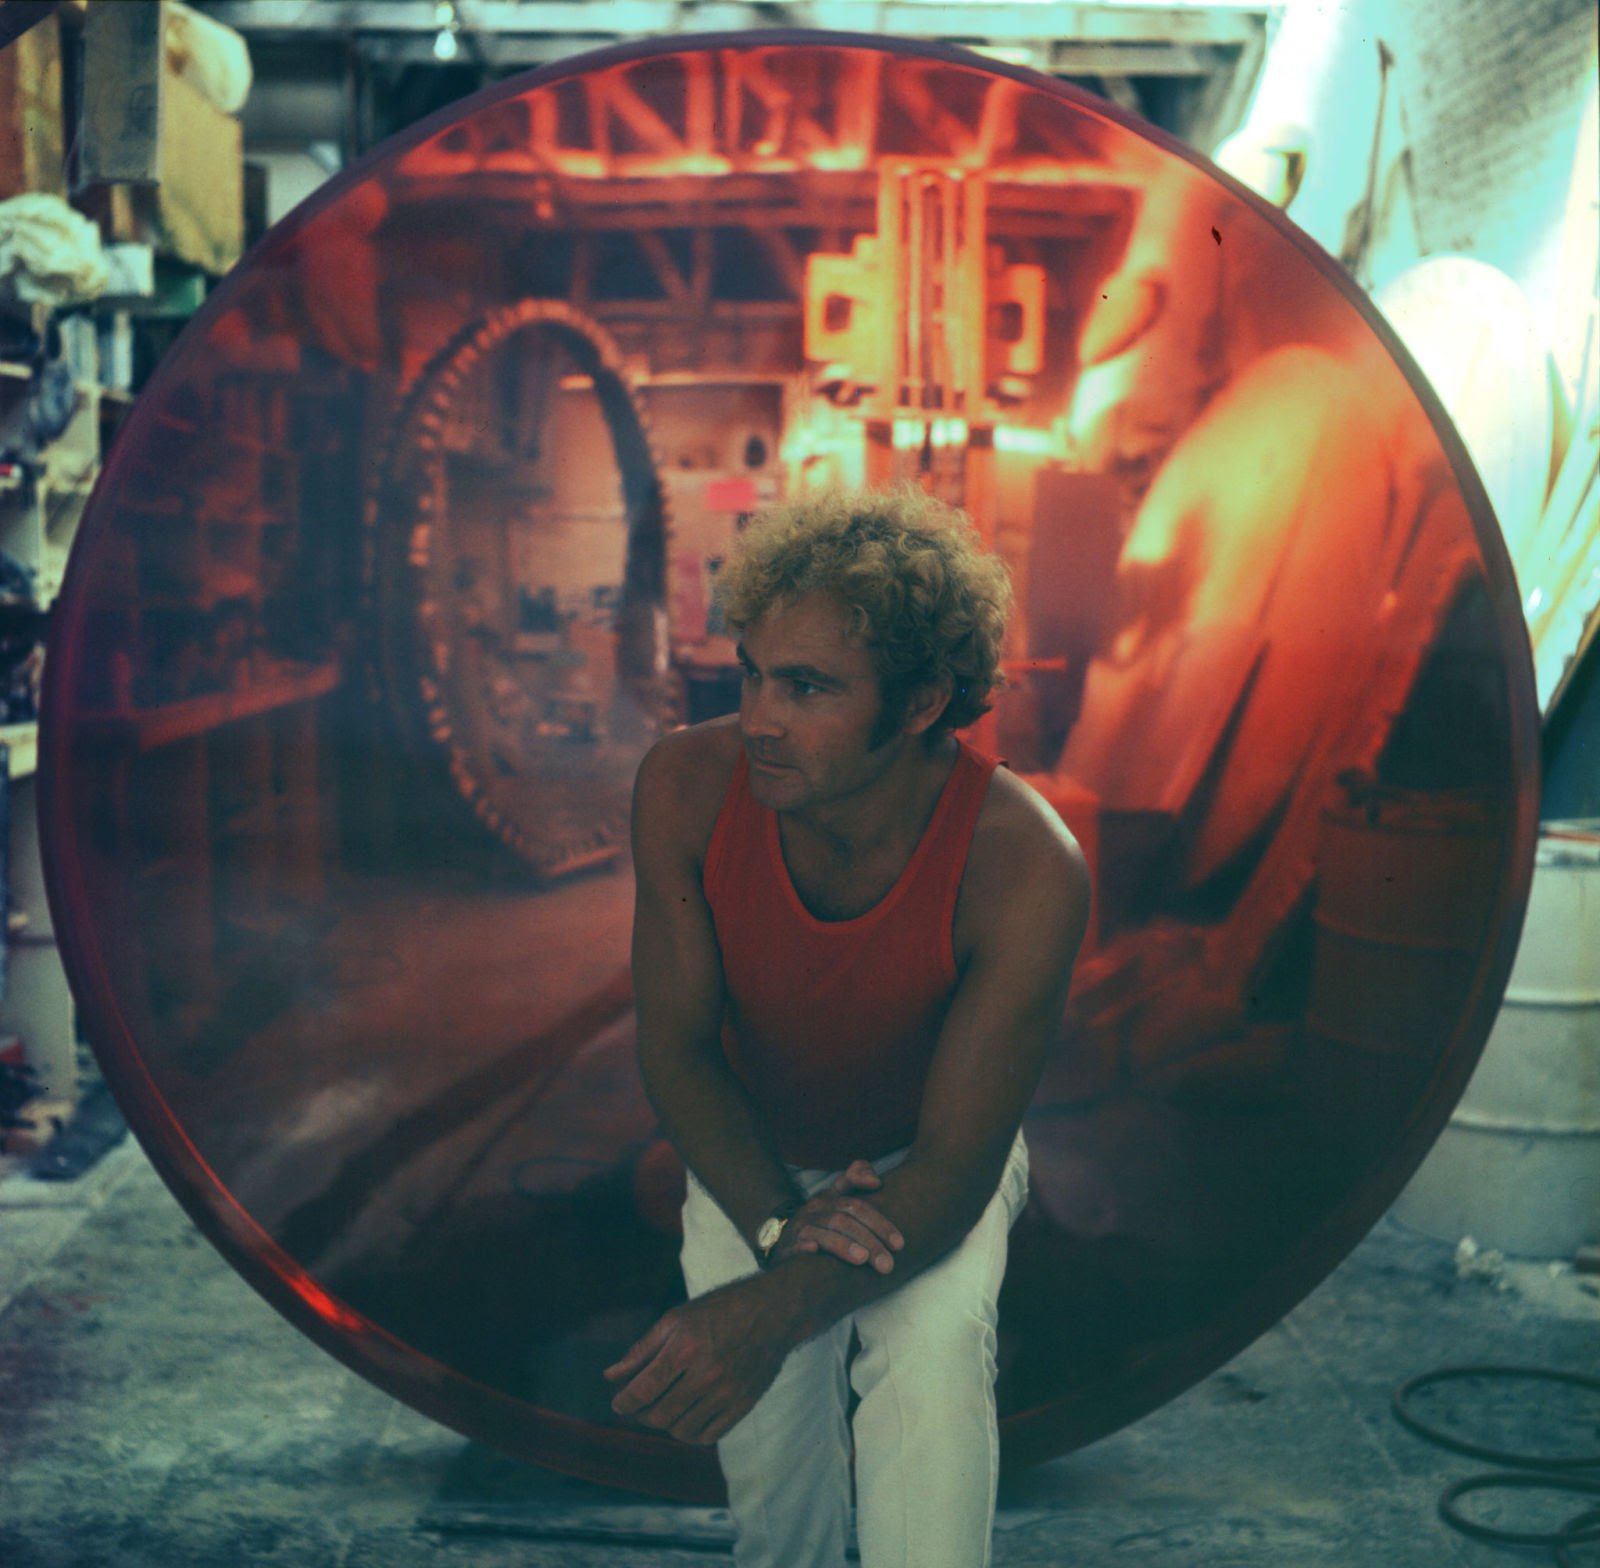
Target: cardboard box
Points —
{"points": [[160, 164], [124, 64]]}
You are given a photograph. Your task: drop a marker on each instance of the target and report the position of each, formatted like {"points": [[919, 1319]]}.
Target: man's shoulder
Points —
{"points": [[1020, 843], [684, 779]]}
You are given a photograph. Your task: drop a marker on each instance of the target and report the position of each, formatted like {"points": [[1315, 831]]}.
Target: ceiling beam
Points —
{"points": [[1055, 57], [1004, 22], [1122, 93]]}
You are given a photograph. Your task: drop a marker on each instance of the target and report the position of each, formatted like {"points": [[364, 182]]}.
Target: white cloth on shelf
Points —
{"points": [[49, 254]]}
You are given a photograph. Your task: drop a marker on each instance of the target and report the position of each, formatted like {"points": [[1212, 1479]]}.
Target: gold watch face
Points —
{"points": [[767, 1236]]}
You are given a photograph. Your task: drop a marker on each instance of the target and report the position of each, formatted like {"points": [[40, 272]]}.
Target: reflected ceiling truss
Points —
{"points": [[791, 166]]}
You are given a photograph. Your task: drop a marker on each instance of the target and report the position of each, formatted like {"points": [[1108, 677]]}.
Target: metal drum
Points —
{"points": [[1518, 1166]]}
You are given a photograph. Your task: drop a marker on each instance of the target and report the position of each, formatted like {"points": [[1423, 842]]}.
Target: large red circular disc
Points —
{"points": [[400, 561]]}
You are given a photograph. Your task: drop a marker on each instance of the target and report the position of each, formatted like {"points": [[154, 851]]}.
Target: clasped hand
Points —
{"points": [[703, 1366], [839, 1222]]}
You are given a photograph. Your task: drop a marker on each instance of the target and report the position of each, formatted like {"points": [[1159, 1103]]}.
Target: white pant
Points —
{"points": [[926, 1437]]}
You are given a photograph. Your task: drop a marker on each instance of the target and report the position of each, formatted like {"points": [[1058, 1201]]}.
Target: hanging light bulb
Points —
{"points": [[448, 21]]}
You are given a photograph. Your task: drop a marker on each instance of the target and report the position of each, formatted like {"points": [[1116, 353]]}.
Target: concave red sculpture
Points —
{"points": [[409, 548]]}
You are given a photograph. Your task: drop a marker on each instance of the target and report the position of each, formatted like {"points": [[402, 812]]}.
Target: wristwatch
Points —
{"points": [[770, 1233]]}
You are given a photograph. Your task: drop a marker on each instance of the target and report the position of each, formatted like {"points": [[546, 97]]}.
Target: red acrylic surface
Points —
{"points": [[336, 821]]}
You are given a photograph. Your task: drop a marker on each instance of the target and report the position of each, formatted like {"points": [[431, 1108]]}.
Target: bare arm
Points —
{"points": [[678, 990]]}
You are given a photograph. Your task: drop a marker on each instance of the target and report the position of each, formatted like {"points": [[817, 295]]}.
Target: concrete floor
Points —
{"points": [[155, 1413]]}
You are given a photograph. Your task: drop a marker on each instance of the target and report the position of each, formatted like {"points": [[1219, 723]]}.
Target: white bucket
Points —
{"points": [[1518, 1165]]}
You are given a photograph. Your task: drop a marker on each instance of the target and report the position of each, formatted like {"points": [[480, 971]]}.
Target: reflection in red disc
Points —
{"points": [[409, 548]]}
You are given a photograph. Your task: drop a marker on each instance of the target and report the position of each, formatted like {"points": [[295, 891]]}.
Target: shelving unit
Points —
{"points": [[39, 512], [40, 508], [37, 1007], [80, 125]]}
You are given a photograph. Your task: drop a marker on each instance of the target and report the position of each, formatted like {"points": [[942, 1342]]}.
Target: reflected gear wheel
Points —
{"points": [[462, 693]]}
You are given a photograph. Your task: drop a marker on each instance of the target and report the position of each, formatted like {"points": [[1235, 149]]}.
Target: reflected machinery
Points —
{"points": [[917, 342], [748, 283]]}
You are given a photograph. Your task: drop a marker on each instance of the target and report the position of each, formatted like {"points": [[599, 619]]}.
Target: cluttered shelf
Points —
{"points": [[16, 371]]}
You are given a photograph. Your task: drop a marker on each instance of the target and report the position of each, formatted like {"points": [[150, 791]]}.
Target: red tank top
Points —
{"points": [[830, 1025]]}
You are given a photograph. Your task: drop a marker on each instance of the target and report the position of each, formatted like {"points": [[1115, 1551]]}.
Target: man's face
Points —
{"points": [[810, 701]]}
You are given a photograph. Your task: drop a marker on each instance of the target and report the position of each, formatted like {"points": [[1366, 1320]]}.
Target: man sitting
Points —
{"points": [[853, 939]]}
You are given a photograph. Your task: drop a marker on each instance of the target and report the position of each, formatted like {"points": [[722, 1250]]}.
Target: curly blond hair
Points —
{"points": [[924, 597]]}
